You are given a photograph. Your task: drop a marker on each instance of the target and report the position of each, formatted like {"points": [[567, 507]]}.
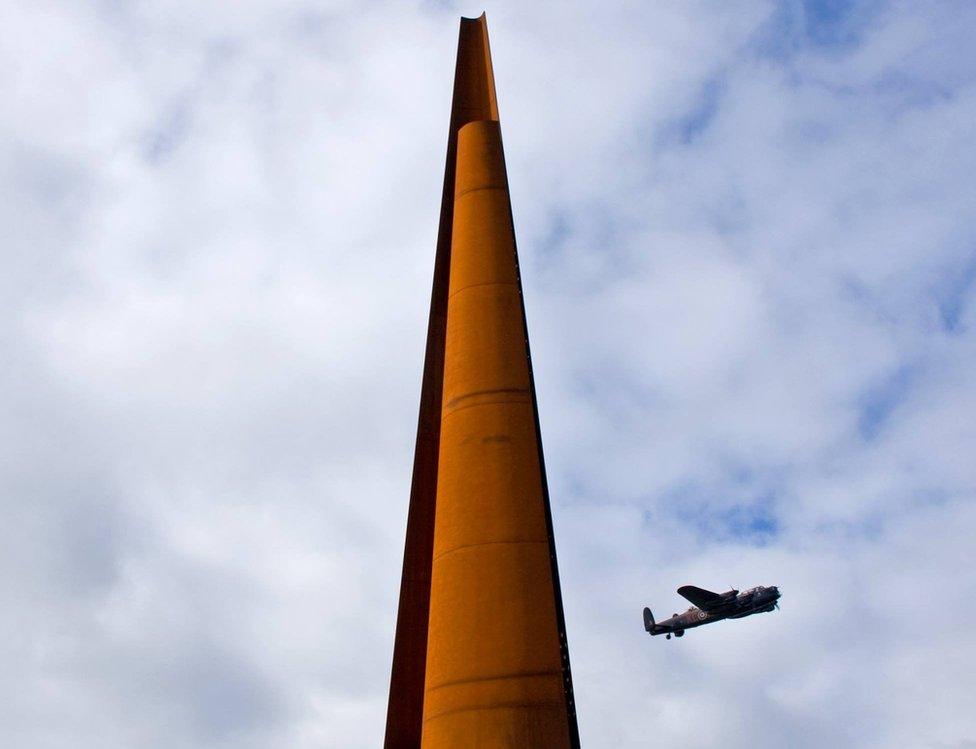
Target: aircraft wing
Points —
{"points": [[703, 599]]}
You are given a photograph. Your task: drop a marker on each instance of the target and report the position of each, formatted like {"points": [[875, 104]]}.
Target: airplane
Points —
{"points": [[713, 607]]}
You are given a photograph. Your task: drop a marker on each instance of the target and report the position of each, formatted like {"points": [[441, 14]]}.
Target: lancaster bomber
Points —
{"points": [[713, 607]]}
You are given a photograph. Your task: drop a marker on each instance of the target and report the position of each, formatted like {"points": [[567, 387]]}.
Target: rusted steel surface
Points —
{"points": [[494, 667], [480, 657], [474, 99]]}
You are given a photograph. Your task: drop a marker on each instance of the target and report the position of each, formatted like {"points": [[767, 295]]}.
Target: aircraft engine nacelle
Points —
{"points": [[679, 633]]}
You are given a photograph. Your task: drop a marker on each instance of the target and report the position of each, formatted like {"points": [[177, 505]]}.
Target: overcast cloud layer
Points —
{"points": [[748, 241]]}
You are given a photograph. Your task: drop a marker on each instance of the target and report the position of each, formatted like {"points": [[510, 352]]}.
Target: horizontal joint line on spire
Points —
{"points": [[487, 543], [451, 405], [499, 706], [486, 283], [470, 190], [520, 675]]}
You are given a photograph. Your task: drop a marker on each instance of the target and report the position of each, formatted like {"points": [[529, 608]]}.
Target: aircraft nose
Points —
{"points": [[774, 590]]}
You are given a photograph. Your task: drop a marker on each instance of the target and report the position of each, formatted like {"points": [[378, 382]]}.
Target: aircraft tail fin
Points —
{"points": [[652, 626]]}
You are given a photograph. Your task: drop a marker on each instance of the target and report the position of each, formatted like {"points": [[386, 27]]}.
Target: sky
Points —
{"points": [[748, 244]]}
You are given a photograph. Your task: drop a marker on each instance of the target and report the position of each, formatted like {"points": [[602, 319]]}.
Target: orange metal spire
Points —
{"points": [[480, 657]]}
